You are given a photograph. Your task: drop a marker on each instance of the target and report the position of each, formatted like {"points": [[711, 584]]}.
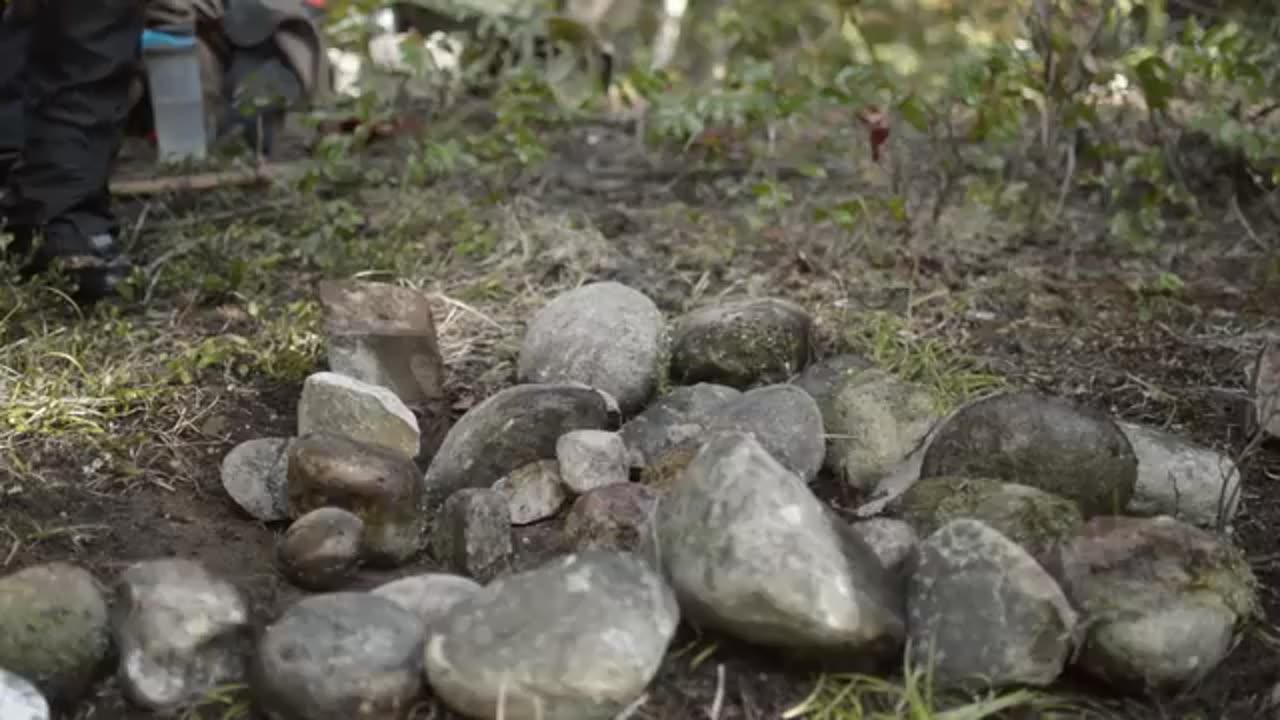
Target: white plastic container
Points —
{"points": [[177, 100]]}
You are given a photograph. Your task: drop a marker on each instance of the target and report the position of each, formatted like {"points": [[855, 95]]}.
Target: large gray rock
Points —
{"points": [[514, 427], [371, 414], [1047, 443], [822, 378], [255, 475], [1034, 519], [1264, 377], [381, 487], [321, 550], [873, 421], [983, 612], [673, 419], [751, 551], [472, 534], [786, 422], [534, 492], [54, 629], [576, 639], [605, 335], [180, 631], [590, 459], [1177, 478], [20, 700], [742, 342], [340, 656], [385, 335], [429, 596], [1161, 600]]}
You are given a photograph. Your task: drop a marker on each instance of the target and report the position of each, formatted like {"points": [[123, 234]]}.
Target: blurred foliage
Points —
{"points": [[1146, 105]]}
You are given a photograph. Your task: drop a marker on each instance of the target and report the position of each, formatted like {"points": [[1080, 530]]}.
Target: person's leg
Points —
{"points": [[80, 64], [13, 61]]}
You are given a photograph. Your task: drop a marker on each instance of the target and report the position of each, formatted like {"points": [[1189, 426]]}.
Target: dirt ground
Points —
{"points": [[972, 299]]}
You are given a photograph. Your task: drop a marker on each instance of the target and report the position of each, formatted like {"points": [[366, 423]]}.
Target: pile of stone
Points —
{"points": [[1002, 543]]}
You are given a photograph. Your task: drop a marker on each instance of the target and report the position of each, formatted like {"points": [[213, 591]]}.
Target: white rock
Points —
{"points": [[19, 699], [590, 459], [366, 413], [256, 475], [1192, 483]]}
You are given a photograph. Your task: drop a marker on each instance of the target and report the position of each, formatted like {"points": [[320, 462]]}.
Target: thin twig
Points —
{"points": [[717, 705], [1244, 222]]}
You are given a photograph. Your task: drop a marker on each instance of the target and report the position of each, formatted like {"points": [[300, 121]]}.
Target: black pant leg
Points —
{"points": [[13, 61], [82, 58]]}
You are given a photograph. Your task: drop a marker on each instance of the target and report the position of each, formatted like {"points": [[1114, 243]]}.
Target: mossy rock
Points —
{"points": [[1044, 442], [1036, 520], [666, 470], [742, 343]]}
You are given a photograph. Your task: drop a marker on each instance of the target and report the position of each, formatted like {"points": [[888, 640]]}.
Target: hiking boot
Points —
{"points": [[95, 272]]}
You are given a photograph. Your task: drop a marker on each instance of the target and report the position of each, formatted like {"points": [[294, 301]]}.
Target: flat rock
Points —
{"points": [[340, 656], [1047, 443], [605, 335], [180, 630], [786, 422], [1181, 479], [514, 427], [1034, 519], [255, 475], [873, 421], [472, 534], [741, 343], [590, 459], [54, 629], [982, 612], [321, 550], [1265, 379], [678, 416], [1161, 600], [335, 404], [534, 492], [578, 638], [381, 487], [20, 700], [385, 335], [429, 596], [750, 550], [893, 541], [614, 517]]}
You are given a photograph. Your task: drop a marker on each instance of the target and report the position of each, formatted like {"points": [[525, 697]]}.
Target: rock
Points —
{"points": [[180, 632], [822, 378], [429, 596], [673, 419], [578, 638], [514, 427], [340, 656], [982, 612], [335, 404], [605, 335], [385, 335], [785, 421], [20, 700], [742, 343], [1034, 519], [1044, 442], [54, 629], [255, 475], [380, 487], [1160, 599], [873, 421], [472, 534], [590, 459], [751, 551], [614, 517], [1192, 483], [1265, 381], [533, 492], [321, 550], [893, 541]]}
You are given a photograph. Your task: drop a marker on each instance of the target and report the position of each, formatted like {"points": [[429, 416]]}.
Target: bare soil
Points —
{"points": [[1054, 309]]}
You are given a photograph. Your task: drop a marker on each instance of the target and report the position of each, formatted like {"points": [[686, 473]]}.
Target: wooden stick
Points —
{"points": [[201, 181]]}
